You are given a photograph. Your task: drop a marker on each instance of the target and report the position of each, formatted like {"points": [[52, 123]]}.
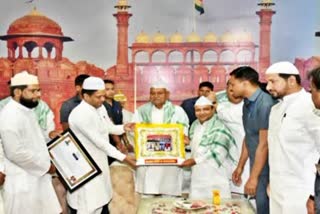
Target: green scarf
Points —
{"points": [[215, 135], [146, 109], [41, 111]]}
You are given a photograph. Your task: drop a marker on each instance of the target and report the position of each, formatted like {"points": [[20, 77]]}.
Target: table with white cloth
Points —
{"points": [[160, 205]]}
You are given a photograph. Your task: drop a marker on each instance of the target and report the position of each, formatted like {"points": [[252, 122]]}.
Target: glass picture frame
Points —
{"points": [[74, 164], [159, 144]]}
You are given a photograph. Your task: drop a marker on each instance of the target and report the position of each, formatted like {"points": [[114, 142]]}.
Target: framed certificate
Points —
{"points": [[74, 164], [159, 144]]}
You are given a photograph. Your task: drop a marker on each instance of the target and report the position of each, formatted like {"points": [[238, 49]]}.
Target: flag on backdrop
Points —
{"points": [[198, 5]]}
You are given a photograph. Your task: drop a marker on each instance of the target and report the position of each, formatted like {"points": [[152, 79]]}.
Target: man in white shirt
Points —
{"points": [[230, 113], [45, 119], [90, 123], [28, 187], [155, 180], [212, 147], [293, 134]]}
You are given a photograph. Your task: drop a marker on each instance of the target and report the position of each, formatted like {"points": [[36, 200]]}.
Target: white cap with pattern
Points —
{"points": [[283, 68], [24, 78], [93, 83], [203, 101]]}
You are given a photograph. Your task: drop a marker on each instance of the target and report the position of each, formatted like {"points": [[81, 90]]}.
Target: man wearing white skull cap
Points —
{"points": [[28, 186], [212, 151], [166, 180], [292, 138], [91, 124]]}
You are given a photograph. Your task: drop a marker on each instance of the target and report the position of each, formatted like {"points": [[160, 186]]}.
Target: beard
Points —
{"points": [[29, 103]]}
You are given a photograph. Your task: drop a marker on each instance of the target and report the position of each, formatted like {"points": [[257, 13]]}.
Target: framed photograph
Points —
{"points": [[74, 164], [159, 144]]}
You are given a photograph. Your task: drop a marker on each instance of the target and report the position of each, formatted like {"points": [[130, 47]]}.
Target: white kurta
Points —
{"points": [[231, 116], [28, 188], [92, 127], [206, 175], [293, 133], [165, 180], [50, 126]]}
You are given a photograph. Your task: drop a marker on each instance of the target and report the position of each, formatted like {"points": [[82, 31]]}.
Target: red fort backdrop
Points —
{"points": [[35, 43]]}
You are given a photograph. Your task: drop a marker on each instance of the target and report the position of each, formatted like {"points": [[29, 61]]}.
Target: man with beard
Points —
{"points": [[28, 187], [45, 118], [244, 82], [293, 134], [313, 203]]}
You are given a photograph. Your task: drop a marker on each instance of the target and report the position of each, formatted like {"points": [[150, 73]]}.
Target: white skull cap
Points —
{"points": [[283, 68], [24, 78]]}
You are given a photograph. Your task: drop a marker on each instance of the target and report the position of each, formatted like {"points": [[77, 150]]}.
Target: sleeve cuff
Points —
{"points": [[199, 159], [118, 155]]}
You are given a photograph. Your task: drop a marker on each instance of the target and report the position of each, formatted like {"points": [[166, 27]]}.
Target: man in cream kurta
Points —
{"points": [[212, 148], [165, 180], [293, 133], [28, 186], [91, 124]]}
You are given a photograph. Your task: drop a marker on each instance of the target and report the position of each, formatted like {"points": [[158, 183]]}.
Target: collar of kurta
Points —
{"points": [[146, 109], [21, 107], [83, 102], [293, 96]]}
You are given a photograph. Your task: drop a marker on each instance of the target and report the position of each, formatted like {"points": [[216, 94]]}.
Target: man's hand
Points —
{"points": [[52, 169], [122, 148], [131, 160], [130, 147], [236, 176], [268, 190], [2, 178], [54, 134], [188, 163], [129, 126], [251, 186], [127, 143], [186, 140], [310, 206]]}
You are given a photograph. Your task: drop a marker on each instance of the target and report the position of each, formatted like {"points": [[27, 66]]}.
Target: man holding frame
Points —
{"points": [[165, 180], [90, 123]]}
